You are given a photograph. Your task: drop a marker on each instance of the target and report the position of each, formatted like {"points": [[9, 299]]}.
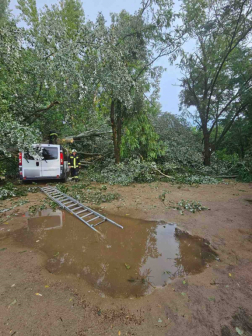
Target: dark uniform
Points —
{"points": [[74, 164], [53, 136]]}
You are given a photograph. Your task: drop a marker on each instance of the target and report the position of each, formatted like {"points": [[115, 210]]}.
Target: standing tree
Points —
{"points": [[127, 73], [217, 77]]}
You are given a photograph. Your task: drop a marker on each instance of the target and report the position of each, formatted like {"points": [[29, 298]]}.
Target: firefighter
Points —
{"points": [[74, 164], [53, 136]]}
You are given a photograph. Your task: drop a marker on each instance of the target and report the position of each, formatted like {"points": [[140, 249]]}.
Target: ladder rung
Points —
{"points": [[77, 208], [71, 205], [64, 199], [80, 211], [67, 203], [87, 215], [93, 219], [100, 222]]}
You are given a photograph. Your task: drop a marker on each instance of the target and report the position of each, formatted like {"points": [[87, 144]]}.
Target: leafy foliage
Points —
{"points": [[182, 150], [123, 173], [191, 206], [9, 191], [196, 179], [62, 71], [244, 168], [216, 80]]}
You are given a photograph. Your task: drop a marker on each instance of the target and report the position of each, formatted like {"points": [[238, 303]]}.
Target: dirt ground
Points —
{"points": [[217, 301]]}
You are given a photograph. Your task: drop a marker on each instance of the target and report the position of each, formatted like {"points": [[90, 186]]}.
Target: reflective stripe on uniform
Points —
{"points": [[74, 162]]}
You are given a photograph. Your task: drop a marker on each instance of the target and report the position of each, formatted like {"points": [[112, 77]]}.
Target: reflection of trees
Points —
{"points": [[151, 249], [194, 253]]}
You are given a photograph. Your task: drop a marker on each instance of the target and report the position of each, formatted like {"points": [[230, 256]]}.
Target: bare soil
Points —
{"points": [[217, 301]]}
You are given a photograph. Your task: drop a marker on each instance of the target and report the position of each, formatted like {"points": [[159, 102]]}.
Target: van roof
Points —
{"points": [[46, 145]]}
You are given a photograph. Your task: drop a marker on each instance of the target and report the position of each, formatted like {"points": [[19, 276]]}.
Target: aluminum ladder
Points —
{"points": [[82, 212]]}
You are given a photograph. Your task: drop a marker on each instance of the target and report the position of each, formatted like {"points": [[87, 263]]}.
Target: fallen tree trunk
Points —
{"points": [[90, 154], [87, 134], [226, 176]]}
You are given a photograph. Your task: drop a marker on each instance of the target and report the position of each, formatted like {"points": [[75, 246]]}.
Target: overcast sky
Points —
{"points": [[169, 84]]}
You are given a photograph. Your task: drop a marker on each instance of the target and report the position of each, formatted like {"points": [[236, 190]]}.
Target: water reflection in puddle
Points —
{"points": [[121, 263]]}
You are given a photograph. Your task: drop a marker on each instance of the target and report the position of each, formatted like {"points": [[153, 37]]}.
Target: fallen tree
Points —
{"points": [[92, 133]]}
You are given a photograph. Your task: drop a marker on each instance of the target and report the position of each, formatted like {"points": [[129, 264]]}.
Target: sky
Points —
{"points": [[169, 86]]}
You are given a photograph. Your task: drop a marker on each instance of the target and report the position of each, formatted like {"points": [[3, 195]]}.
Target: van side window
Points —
{"points": [[50, 153]]}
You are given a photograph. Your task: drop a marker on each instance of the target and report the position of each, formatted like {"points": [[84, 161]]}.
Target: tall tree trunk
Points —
{"points": [[119, 125], [115, 133], [207, 151]]}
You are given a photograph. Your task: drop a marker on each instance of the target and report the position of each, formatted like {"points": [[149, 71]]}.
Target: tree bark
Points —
{"points": [[115, 133], [207, 148], [119, 126]]}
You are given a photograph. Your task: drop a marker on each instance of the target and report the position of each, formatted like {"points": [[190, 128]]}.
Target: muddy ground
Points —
{"points": [[217, 301]]}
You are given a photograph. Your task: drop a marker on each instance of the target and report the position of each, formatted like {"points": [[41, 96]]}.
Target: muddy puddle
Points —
{"points": [[120, 263]]}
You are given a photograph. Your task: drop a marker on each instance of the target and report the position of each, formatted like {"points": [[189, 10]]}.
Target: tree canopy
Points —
{"points": [[98, 83]]}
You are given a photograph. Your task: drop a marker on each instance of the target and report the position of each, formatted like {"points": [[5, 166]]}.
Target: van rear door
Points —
{"points": [[50, 165], [31, 167]]}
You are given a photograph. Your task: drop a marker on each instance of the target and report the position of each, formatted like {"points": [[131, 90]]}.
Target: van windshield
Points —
{"points": [[50, 153]]}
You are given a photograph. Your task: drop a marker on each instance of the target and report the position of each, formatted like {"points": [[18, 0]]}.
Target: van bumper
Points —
{"points": [[41, 178]]}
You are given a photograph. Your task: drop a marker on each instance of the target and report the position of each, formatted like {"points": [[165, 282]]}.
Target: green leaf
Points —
{"points": [[239, 331], [12, 303], [211, 298], [127, 266]]}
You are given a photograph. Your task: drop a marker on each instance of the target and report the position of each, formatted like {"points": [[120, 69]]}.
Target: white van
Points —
{"points": [[50, 163]]}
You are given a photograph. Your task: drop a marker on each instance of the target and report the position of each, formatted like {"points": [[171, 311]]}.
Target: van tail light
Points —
{"points": [[20, 159], [61, 158]]}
